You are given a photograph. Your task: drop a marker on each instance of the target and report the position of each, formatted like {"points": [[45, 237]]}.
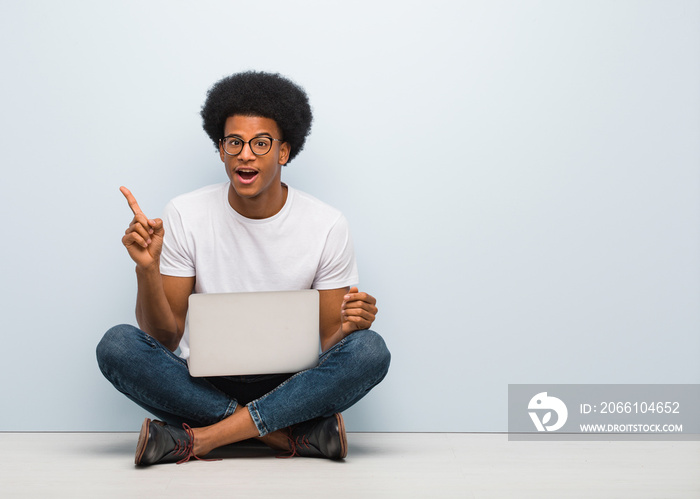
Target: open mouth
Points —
{"points": [[246, 176]]}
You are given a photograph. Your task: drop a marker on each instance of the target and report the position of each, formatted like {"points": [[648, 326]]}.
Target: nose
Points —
{"points": [[246, 153]]}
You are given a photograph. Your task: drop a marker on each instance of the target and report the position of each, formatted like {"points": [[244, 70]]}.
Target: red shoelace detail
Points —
{"points": [[186, 448], [294, 444]]}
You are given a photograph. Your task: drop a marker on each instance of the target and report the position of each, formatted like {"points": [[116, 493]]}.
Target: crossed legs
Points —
{"points": [[152, 376]]}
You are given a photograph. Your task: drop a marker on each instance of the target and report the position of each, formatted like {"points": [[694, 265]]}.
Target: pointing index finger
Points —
{"points": [[135, 208]]}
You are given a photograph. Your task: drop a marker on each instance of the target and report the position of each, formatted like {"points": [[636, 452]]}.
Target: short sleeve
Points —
{"points": [[337, 268], [177, 257]]}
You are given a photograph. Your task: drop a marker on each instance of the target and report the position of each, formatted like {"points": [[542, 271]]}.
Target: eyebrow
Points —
{"points": [[261, 134]]}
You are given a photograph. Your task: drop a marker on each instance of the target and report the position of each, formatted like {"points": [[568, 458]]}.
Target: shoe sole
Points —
{"points": [[143, 440], [343, 436]]}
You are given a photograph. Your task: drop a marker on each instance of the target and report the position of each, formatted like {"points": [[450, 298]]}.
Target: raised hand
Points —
{"points": [[358, 311], [143, 238]]}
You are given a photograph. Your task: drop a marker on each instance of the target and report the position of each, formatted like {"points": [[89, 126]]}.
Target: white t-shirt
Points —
{"points": [[306, 245]]}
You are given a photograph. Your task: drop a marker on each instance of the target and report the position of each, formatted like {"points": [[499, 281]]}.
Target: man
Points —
{"points": [[252, 233]]}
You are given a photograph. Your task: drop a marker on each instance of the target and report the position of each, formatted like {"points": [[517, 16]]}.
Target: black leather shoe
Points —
{"points": [[323, 437], [162, 443]]}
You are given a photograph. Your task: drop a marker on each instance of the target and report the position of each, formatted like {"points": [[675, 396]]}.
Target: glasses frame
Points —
{"points": [[223, 147]]}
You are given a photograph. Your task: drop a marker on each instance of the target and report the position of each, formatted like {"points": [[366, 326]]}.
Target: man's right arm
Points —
{"points": [[161, 305], [161, 302]]}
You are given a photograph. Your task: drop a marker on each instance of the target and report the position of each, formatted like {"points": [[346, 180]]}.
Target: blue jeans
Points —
{"points": [[158, 380]]}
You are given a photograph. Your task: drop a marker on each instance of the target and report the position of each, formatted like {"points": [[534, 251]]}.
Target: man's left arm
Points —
{"points": [[344, 311]]}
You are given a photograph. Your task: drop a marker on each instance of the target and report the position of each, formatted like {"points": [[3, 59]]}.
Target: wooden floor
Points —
{"points": [[426, 465]]}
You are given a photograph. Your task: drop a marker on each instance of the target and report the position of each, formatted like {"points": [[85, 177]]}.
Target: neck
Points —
{"points": [[263, 206]]}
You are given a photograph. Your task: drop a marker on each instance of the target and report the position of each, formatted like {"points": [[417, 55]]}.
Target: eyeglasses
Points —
{"points": [[259, 145]]}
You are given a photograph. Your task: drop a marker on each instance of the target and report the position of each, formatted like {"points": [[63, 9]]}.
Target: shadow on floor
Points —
{"points": [[247, 448]]}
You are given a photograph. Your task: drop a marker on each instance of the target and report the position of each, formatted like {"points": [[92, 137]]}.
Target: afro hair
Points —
{"points": [[255, 93]]}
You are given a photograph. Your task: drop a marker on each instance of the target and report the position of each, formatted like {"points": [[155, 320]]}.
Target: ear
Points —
{"points": [[285, 150], [221, 151]]}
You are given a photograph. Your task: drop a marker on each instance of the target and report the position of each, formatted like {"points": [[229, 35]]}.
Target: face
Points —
{"points": [[255, 180]]}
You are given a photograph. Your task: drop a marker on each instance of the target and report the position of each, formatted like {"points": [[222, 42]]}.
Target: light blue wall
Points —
{"points": [[522, 180]]}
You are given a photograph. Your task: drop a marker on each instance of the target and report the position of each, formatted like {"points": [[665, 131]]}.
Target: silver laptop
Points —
{"points": [[253, 333]]}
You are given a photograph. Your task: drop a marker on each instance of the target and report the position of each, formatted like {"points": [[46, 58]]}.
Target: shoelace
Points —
{"points": [[186, 448], [294, 444]]}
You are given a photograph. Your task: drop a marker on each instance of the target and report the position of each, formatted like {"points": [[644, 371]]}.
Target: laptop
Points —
{"points": [[234, 334]]}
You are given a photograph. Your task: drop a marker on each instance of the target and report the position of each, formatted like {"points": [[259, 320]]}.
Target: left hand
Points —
{"points": [[358, 311]]}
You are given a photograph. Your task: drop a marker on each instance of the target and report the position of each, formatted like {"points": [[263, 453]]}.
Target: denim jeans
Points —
{"points": [[158, 380]]}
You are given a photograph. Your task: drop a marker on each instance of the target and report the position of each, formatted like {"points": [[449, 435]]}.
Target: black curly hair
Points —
{"points": [[255, 93]]}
